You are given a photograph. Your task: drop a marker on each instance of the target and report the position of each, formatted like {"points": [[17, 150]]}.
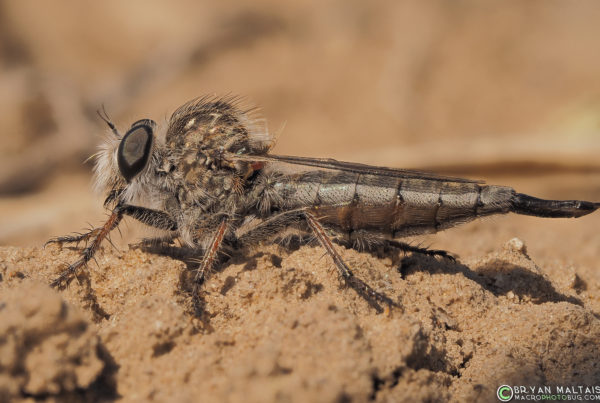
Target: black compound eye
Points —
{"points": [[134, 150], [144, 122]]}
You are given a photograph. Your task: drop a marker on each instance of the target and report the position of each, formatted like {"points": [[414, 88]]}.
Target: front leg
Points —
{"points": [[94, 238], [96, 235], [76, 238]]}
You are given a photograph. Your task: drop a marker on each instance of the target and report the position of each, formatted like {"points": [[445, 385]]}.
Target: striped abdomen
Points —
{"points": [[393, 206]]}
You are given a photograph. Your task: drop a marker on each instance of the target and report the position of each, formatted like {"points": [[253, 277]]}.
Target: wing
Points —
{"points": [[329, 163]]}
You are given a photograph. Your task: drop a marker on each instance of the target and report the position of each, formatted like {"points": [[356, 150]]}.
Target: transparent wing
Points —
{"points": [[329, 163]]}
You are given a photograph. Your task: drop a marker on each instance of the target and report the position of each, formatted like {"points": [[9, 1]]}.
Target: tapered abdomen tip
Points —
{"points": [[529, 205]]}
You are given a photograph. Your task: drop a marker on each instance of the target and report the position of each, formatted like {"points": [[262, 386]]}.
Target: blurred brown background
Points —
{"points": [[506, 91]]}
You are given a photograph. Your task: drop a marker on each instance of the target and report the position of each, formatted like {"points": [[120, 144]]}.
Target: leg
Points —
{"points": [[153, 218], [155, 243], [95, 237], [261, 229], [415, 249], [74, 238], [372, 297], [209, 258]]}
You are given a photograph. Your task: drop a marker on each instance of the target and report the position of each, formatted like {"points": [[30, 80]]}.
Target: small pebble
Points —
{"points": [[516, 245]]}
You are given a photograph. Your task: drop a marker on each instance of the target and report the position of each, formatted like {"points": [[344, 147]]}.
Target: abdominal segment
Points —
{"points": [[394, 207]]}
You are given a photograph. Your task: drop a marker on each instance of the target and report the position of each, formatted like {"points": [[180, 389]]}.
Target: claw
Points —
{"points": [[441, 253], [67, 275], [372, 297], [49, 241]]}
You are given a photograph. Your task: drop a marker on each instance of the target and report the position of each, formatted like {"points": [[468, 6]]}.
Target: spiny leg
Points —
{"points": [[155, 243], [372, 297], [268, 227], [208, 259], [76, 238], [97, 235], [153, 218], [157, 219], [415, 249]]}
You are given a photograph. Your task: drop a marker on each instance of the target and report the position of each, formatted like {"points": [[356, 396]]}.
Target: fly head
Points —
{"points": [[123, 163]]}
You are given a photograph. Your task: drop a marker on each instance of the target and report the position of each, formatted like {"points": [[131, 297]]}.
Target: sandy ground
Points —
{"points": [[279, 326], [470, 89]]}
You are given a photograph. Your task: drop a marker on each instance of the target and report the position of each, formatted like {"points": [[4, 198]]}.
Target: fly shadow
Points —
{"points": [[497, 276]]}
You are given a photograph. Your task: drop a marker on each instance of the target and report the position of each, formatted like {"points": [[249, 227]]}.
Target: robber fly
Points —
{"points": [[209, 179]]}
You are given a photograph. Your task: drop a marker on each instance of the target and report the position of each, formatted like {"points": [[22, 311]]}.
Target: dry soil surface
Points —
{"points": [[278, 325]]}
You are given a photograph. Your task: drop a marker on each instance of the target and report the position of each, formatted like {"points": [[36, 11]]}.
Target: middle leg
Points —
{"points": [[208, 260]]}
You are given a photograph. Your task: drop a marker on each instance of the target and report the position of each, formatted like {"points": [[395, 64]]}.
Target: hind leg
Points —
{"points": [[415, 249]]}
